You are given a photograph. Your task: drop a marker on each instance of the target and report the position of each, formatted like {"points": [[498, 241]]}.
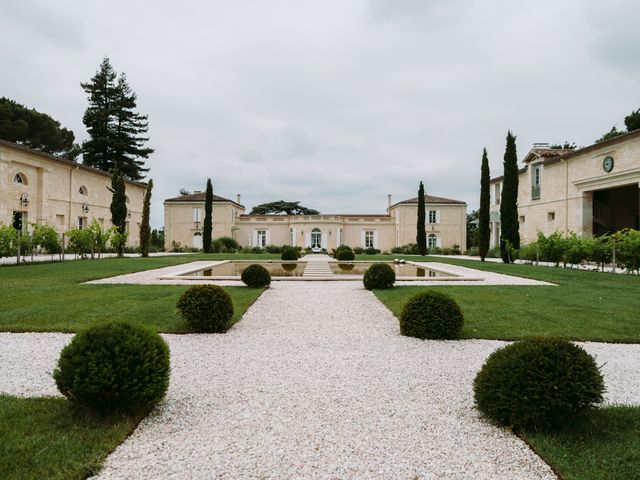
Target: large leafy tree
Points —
{"points": [[483, 214], [509, 228], [119, 210], [632, 121], [421, 236], [33, 129], [207, 227], [116, 131], [145, 228], [282, 207]]}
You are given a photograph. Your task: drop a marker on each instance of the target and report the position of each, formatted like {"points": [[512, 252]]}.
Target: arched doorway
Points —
{"points": [[316, 239], [197, 240]]}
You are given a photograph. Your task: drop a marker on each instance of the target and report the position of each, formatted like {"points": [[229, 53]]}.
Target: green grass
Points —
{"points": [[605, 444], [582, 306], [47, 438], [52, 296]]}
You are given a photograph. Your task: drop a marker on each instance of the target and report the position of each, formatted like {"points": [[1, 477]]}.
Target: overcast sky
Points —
{"points": [[333, 103]]}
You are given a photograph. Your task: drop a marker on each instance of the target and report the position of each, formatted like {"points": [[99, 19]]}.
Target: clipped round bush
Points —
{"points": [[206, 308], [256, 276], [344, 253], [431, 315], [114, 367], [538, 384], [379, 275], [289, 253]]}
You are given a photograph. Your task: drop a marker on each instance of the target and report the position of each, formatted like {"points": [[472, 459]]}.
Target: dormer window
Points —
{"points": [[20, 178], [83, 190]]}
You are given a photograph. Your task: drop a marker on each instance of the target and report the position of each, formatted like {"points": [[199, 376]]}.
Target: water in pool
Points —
{"points": [[235, 268], [402, 270]]}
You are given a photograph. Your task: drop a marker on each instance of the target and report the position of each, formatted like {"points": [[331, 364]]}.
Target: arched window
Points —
{"points": [[20, 178], [197, 240], [316, 238], [432, 241], [83, 190]]}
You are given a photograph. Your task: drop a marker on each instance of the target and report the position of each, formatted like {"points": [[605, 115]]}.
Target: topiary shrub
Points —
{"points": [[371, 251], [206, 308], [431, 315], [256, 276], [344, 253], [289, 253], [538, 383], [379, 275], [114, 367]]}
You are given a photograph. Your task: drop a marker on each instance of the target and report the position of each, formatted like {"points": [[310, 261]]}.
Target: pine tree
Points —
{"points": [[509, 228], [119, 210], [116, 131], [207, 225], [483, 216], [421, 237], [27, 126], [145, 228]]}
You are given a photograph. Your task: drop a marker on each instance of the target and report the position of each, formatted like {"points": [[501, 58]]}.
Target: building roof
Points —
{"points": [[430, 199], [63, 160], [497, 179], [546, 152], [348, 215], [200, 197]]}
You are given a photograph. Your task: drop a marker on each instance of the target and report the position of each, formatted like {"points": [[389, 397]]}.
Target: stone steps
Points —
{"points": [[318, 270]]}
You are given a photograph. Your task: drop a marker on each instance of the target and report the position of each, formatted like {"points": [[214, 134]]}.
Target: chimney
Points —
{"points": [[389, 201], [238, 196]]}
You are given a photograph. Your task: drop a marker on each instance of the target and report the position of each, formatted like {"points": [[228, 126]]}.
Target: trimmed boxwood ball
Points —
{"points": [[344, 253], [114, 367], [538, 384], [206, 308], [379, 275], [289, 253], [256, 276], [431, 315]]}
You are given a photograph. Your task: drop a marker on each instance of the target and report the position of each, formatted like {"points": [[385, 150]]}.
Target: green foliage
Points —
{"points": [[273, 249], [46, 237], [613, 133], [282, 207], [256, 276], [8, 241], [431, 315], [509, 226], [567, 145], [116, 132], [207, 226], [225, 245], [80, 240], [114, 367], [484, 234], [289, 253], [36, 130], [632, 121], [118, 207], [379, 276], [628, 249], [344, 253], [206, 308], [408, 249], [145, 228], [371, 251], [421, 235], [538, 384]]}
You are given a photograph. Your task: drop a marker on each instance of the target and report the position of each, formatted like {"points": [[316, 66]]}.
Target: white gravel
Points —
{"points": [[316, 382]]}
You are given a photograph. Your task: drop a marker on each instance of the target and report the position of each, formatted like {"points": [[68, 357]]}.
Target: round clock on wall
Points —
{"points": [[607, 164]]}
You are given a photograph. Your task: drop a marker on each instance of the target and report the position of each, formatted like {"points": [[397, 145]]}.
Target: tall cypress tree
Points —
{"points": [[483, 215], [145, 228], [116, 131], [207, 226], [119, 209], [421, 237], [509, 228]]}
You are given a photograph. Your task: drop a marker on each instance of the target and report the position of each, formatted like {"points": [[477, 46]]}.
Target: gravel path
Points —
{"points": [[315, 382]]}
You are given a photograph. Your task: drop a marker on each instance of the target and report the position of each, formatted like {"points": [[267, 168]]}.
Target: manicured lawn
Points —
{"points": [[46, 438], [583, 306], [52, 296], [604, 445]]}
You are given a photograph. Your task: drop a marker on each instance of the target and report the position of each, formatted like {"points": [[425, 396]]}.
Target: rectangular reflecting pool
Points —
{"points": [[402, 270], [234, 268]]}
